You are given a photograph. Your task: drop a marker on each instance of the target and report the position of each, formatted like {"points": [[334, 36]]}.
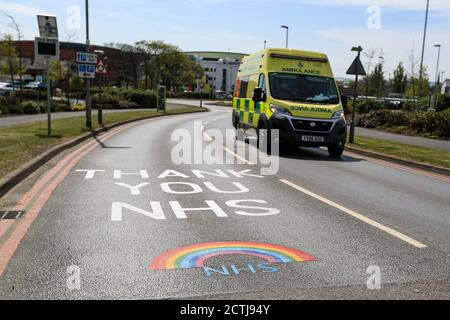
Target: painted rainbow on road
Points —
{"points": [[195, 256]]}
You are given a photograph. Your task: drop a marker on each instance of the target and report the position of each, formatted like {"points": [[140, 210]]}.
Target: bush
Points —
{"points": [[32, 94], [437, 124], [443, 102], [373, 119], [409, 106], [15, 109], [371, 105], [396, 119], [144, 99], [31, 107], [125, 104], [3, 105], [108, 101]]}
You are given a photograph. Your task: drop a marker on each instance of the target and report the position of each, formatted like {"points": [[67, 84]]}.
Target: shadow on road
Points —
{"points": [[104, 146]]}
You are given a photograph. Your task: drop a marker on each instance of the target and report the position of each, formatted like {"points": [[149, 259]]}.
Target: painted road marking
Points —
{"points": [[49, 183], [4, 226], [238, 156], [195, 256], [224, 148], [357, 215]]}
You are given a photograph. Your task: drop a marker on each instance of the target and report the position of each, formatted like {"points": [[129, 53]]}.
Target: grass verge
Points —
{"points": [[21, 143], [434, 157]]}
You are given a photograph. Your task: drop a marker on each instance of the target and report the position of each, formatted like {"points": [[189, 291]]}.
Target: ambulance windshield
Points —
{"points": [[304, 88]]}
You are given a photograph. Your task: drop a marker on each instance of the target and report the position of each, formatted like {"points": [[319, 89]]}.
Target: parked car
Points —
{"points": [[35, 85], [7, 88]]}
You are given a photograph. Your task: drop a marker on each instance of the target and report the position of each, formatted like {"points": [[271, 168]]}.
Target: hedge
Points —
{"points": [[116, 98], [428, 123]]}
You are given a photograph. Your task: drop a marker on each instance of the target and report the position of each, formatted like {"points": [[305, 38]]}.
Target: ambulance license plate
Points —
{"points": [[313, 139]]}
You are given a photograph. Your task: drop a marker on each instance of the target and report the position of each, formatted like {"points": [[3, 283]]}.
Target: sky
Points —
{"points": [[391, 27]]}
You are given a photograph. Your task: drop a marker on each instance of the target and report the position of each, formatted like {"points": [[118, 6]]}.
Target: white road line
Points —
{"points": [[238, 156], [208, 137], [357, 215], [224, 148]]}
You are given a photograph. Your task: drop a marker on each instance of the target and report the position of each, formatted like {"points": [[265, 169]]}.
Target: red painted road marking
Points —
{"points": [[401, 167], [4, 226], [61, 171]]}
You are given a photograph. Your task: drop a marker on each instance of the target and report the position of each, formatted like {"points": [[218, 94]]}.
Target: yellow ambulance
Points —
{"points": [[292, 91]]}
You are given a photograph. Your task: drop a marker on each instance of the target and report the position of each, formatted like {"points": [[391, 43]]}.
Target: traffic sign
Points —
{"points": [[357, 68], [46, 48], [101, 68], [87, 58], [48, 27], [86, 71]]}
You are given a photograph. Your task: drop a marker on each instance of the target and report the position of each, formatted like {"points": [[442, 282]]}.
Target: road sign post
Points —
{"points": [[87, 63], [48, 47], [102, 71], [356, 69]]}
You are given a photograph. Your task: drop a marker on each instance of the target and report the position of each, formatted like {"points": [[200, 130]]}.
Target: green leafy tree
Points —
{"points": [[400, 80], [9, 58]]}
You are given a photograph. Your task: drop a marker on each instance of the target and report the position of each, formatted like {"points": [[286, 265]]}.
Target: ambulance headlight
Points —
{"points": [[279, 110], [339, 115]]}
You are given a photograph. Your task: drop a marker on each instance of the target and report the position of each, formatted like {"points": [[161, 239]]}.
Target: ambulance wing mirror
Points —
{"points": [[259, 95]]}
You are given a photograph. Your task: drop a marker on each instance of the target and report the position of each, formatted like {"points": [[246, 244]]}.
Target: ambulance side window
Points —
{"points": [[262, 82], [244, 87]]}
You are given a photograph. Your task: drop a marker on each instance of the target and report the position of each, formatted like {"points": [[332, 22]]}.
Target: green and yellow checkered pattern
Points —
{"points": [[249, 111]]}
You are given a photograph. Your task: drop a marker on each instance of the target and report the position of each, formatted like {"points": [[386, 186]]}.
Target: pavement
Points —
{"points": [[364, 229], [403, 139]]}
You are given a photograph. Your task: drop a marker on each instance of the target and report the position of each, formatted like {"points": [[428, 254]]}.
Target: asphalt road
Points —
{"points": [[352, 216]]}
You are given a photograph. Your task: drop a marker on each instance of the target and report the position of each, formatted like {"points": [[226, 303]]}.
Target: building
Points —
{"points": [[446, 87], [68, 52], [221, 68]]}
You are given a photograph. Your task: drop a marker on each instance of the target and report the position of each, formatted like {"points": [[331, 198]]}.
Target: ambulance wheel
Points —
{"points": [[264, 138], [336, 151]]}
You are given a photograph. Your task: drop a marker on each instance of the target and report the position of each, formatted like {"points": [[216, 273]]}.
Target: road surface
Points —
{"points": [[120, 231]]}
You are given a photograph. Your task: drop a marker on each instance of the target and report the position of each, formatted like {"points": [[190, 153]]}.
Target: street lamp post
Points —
{"points": [[380, 78], [436, 83], [438, 60], [88, 81], [287, 35], [423, 49]]}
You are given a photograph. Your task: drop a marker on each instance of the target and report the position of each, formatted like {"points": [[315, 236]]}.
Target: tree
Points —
{"points": [[60, 73], [77, 84], [177, 69], [400, 80], [376, 81], [127, 61], [8, 53], [414, 84], [19, 33], [369, 57]]}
